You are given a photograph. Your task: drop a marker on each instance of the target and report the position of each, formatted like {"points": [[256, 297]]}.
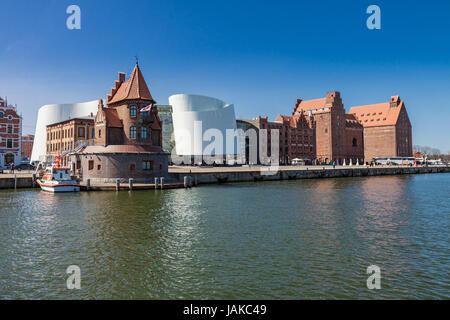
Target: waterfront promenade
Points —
{"points": [[212, 175]]}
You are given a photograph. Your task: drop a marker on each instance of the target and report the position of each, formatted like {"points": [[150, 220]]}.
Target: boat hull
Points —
{"points": [[56, 188]]}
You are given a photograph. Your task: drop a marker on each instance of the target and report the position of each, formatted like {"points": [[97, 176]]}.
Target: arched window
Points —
{"points": [[132, 132], [133, 111], [355, 142]]}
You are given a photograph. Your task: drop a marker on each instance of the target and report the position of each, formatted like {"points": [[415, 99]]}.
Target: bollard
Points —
{"points": [[34, 180], [156, 183], [186, 181], [117, 184], [162, 183], [15, 181], [130, 182], [88, 184]]}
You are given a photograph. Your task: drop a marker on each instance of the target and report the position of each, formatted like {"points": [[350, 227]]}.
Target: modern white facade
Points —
{"points": [[193, 116], [53, 113]]}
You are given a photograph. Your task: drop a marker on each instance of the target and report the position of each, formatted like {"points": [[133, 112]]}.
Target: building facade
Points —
{"points": [[10, 134], [338, 137], [387, 129], [27, 146], [318, 131], [54, 113], [64, 136], [195, 117], [165, 114], [127, 139]]}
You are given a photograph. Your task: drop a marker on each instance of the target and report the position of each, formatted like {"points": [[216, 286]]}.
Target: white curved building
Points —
{"points": [[53, 113], [190, 110]]}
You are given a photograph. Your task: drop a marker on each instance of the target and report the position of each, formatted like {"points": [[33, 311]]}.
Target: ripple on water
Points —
{"points": [[276, 240]]}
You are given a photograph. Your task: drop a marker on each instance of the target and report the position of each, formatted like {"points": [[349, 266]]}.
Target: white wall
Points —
{"points": [[52, 113], [213, 113]]}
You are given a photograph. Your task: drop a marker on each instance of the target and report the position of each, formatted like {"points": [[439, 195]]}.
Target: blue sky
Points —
{"points": [[259, 55]]}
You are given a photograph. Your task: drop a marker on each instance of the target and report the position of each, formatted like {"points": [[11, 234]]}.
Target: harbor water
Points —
{"points": [[296, 239]]}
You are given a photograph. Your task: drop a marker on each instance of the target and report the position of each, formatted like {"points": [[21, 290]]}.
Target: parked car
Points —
{"points": [[24, 166]]}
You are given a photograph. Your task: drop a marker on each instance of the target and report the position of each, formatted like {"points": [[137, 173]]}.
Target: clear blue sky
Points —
{"points": [[259, 55]]}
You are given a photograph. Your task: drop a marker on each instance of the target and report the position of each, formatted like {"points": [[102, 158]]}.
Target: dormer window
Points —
{"points": [[133, 111]]}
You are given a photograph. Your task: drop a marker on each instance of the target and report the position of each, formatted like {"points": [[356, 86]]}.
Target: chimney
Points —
{"points": [[100, 104], [121, 77], [395, 100]]}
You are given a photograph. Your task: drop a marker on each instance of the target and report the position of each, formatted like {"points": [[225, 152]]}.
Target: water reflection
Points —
{"points": [[290, 239]]}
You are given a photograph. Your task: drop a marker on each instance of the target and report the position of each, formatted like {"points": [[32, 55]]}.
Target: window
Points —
{"points": [[9, 143], [91, 165], [93, 132], [10, 128], [81, 132], [10, 117], [132, 132], [147, 165], [355, 142], [1, 115], [144, 133], [133, 111], [99, 167], [132, 167], [99, 133]]}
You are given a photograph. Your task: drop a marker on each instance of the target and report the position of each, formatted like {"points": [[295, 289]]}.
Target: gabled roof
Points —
{"points": [[312, 104], [112, 118], [381, 114], [133, 89]]}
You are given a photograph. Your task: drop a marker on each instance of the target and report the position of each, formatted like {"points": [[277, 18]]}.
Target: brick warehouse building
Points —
{"points": [[10, 134], [127, 141], [318, 130], [387, 129]]}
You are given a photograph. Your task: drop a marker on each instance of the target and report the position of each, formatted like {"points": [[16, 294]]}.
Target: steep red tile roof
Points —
{"points": [[112, 118], [381, 114], [312, 104], [133, 89]]}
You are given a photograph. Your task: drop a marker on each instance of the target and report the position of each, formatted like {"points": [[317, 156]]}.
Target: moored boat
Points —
{"points": [[58, 179]]}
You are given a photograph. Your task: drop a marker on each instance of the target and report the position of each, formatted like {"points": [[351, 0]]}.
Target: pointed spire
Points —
{"points": [[133, 89]]}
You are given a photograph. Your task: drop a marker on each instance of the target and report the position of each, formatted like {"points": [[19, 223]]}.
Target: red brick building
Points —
{"points": [[27, 146], [128, 140], [10, 134], [387, 129], [321, 130]]}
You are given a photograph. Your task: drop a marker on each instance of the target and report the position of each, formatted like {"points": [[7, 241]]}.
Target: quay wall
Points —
{"points": [[19, 182], [252, 175], [229, 175]]}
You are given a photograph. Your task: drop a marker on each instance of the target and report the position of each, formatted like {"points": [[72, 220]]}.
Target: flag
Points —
{"points": [[147, 108]]}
